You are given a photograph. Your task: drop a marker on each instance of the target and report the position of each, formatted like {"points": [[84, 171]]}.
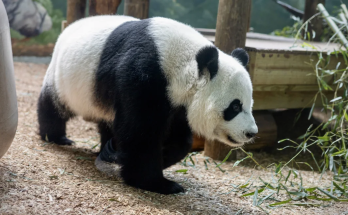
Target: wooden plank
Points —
{"points": [[75, 10], [289, 88], [274, 100], [137, 8], [272, 68]]}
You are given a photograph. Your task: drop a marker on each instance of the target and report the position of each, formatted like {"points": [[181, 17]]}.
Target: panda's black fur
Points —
{"points": [[148, 133]]}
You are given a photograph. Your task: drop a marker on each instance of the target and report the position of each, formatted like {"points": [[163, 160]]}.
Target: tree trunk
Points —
{"points": [[102, 7], [76, 10], [315, 24], [231, 26], [137, 8]]}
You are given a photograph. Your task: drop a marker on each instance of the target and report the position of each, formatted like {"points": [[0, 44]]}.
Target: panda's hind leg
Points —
{"points": [[52, 122], [178, 142], [106, 133]]}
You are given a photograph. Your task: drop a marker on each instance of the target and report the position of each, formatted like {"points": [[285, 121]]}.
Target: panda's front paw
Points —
{"points": [[64, 141], [167, 187], [172, 188]]}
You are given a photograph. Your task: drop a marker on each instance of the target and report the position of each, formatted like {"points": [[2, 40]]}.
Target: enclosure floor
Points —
{"points": [[41, 178]]}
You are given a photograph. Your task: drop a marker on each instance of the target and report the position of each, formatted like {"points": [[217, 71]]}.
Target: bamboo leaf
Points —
{"points": [[253, 193], [311, 112], [311, 189], [280, 203], [255, 198], [184, 171], [336, 99], [307, 204], [225, 159], [331, 163], [287, 177], [338, 187], [328, 194], [346, 115], [338, 65]]}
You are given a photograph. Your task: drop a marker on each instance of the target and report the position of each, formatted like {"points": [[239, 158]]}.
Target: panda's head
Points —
{"points": [[221, 107]]}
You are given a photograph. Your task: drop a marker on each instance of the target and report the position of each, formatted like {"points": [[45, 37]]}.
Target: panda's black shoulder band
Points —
{"points": [[108, 154]]}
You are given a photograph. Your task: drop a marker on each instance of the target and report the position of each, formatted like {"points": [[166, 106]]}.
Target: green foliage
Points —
{"points": [[288, 31], [327, 34]]}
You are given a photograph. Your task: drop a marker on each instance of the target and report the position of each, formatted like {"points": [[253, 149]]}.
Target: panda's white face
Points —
{"points": [[222, 108]]}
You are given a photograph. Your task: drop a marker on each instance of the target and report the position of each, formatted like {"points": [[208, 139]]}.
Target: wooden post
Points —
{"points": [[248, 16], [100, 7], [232, 22], [315, 24], [137, 8], [76, 10]]}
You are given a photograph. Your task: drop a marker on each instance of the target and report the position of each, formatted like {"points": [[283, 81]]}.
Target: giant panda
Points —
{"points": [[148, 84]]}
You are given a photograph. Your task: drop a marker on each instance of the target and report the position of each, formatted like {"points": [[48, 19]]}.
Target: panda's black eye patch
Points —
{"points": [[233, 110]]}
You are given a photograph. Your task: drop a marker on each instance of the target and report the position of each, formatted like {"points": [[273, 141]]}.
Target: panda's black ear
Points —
{"points": [[241, 55], [208, 57]]}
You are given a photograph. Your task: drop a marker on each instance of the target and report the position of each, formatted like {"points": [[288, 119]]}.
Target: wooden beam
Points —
{"points": [[76, 9], [315, 24], [288, 100], [137, 8], [231, 26], [102, 7]]}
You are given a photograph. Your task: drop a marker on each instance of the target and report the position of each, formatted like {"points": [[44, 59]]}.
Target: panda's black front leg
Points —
{"points": [[178, 141], [139, 150]]}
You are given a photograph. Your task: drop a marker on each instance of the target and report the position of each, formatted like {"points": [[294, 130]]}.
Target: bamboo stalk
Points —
{"points": [[343, 18], [333, 25], [345, 11]]}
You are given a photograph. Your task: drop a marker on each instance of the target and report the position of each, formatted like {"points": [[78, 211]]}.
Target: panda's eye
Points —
{"points": [[237, 107], [233, 110]]}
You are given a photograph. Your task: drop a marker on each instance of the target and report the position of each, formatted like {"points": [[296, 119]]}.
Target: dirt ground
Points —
{"points": [[42, 178]]}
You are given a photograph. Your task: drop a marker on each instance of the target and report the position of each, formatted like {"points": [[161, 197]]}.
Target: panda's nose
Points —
{"points": [[250, 135]]}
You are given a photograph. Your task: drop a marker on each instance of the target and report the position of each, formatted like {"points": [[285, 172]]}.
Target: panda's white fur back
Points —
{"points": [[75, 61]]}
